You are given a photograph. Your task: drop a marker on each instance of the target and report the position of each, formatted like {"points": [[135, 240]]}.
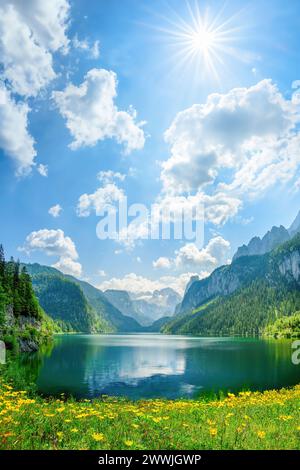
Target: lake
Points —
{"points": [[154, 365]]}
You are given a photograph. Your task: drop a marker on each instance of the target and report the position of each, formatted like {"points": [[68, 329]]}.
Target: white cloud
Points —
{"points": [[47, 20], [208, 258], [178, 283], [100, 200], [136, 284], [296, 84], [131, 282], [109, 176], [55, 210], [68, 266], [224, 133], [217, 208], [91, 114], [275, 163], [54, 243], [18, 145], [29, 32], [101, 273], [93, 50], [162, 263], [42, 169], [190, 256], [252, 132], [220, 207]]}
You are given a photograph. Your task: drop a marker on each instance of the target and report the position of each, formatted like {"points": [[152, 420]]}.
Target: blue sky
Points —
{"points": [[61, 66]]}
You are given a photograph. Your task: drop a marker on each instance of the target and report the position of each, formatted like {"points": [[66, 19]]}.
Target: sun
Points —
{"points": [[202, 39]]}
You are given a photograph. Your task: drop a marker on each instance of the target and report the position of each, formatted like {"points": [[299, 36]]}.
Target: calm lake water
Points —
{"points": [[153, 365]]}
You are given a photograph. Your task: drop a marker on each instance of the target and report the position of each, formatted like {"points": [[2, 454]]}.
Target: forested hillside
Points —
{"points": [[263, 289], [76, 305], [23, 323]]}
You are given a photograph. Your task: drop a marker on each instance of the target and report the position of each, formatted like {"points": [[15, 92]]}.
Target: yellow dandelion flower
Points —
{"points": [[285, 417], [59, 434], [128, 443], [213, 432], [156, 420], [261, 434], [98, 436], [74, 430]]}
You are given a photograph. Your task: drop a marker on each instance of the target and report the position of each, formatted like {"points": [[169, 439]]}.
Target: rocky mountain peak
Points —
{"points": [[295, 227]]}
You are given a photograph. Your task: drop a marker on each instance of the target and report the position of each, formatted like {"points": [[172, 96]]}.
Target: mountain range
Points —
{"points": [[76, 305], [247, 295], [145, 307], [261, 284], [272, 239]]}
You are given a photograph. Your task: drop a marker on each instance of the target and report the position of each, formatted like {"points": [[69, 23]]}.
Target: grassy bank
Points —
{"points": [[269, 420]]}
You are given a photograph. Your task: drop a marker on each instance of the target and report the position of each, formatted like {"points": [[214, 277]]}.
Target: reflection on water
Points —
{"points": [[144, 366]]}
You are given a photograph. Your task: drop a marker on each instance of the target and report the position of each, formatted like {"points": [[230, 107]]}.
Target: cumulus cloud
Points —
{"points": [[54, 243], [223, 132], [29, 32], [190, 256], [19, 146], [91, 114], [55, 210], [162, 263], [100, 200], [217, 208], [68, 266], [252, 132], [136, 284]]}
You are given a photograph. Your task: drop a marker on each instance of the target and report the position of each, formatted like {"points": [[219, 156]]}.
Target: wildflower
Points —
{"points": [[213, 432], [97, 436], [261, 434], [285, 417], [74, 430], [60, 434], [128, 443], [210, 422], [156, 420]]}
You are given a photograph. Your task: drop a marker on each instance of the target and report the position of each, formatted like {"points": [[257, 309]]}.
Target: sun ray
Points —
{"points": [[201, 39]]}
